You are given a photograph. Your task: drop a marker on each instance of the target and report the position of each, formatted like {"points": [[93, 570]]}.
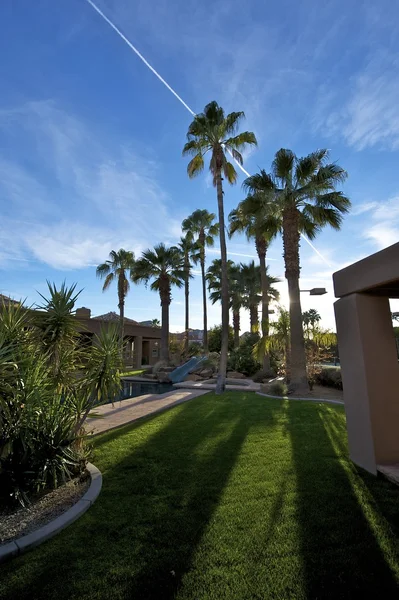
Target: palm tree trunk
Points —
{"points": [[121, 305], [262, 248], [165, 302], [187, 316], [236, 327], [298, 377], [205, 338], [221, 380], [254, 318]]}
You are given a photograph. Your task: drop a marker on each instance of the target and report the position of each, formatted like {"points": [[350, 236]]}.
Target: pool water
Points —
{"points": [[131, 389]]}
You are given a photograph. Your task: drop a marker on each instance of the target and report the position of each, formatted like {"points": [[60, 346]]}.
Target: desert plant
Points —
{"points": [[242, 360], [278, 388], [48, 382]]}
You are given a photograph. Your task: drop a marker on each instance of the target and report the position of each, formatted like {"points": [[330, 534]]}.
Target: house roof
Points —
{"points": [[113, 317], [6, 300]]}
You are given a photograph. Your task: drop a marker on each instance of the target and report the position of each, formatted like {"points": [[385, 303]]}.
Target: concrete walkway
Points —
{"points": [[132, 409]]}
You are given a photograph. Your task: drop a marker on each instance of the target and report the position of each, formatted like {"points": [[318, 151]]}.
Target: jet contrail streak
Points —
{"points": [[141, 57], [316, 250], [176, 95]]}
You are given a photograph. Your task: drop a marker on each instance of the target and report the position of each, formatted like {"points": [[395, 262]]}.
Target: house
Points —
{"points": [[142, 343]]}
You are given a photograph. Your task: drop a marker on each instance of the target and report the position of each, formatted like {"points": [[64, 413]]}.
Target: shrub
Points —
{"points": [[278, 388], [215, 339], [261, 376], [330, 377], [241, 359], [49, 381]]}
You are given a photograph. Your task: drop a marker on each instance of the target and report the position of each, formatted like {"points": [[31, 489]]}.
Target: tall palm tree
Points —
{"points": [[302, 192], [189, 250], [201, 230], [252, 218], [165, 268], [251, 280], [119, 267], [311, 319], [214, 132], [236, 291]]}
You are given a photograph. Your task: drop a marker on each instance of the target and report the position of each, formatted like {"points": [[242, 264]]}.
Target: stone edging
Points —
{"points": [[44, 533], [305, 399]]}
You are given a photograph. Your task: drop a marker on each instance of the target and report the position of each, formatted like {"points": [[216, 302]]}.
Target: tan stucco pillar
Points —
{"points": [[370, 376], [138, 351]]}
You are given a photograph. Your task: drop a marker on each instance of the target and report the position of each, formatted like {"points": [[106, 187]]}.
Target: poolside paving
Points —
{"points": [[127, 411]]}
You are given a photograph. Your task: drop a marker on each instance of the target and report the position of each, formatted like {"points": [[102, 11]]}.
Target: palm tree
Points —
{"points": [[120, 267], [200, 229], [214, 132], [254, 220], [251, 278], [164, 267], [302, 193], [155, 323], [236, 291], [189, 250], [311, 319]]}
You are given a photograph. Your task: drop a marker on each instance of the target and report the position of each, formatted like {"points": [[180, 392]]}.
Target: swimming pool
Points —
{"points": [[131, 389]]}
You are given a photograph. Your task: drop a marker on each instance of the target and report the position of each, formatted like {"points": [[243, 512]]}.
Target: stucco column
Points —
{"points": [[138, 351], [370, 376]]}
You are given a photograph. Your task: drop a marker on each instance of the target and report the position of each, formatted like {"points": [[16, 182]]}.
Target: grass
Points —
{"points": [[224, 498], [133, 373]]}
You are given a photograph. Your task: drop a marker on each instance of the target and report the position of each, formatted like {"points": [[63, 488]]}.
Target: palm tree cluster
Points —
{"points": [[245, 291], [297, 197]]}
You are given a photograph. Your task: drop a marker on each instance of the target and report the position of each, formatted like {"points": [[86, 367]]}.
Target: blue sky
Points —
{"points": [[90, 140]]}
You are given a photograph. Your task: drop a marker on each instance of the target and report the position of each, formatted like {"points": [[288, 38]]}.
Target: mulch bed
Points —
{"points": [[20, 521]]}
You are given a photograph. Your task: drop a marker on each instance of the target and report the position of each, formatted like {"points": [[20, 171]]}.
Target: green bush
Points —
{"points": [[241, 359], [330, 377], [261, 376], [278, 388], [49, 381], [215, 339]]}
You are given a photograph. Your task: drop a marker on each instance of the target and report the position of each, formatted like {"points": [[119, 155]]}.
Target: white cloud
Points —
{"points": [[82, 194], [368, 113], [382, 227]]}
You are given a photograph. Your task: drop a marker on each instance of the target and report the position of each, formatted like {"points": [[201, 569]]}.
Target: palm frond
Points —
{"points": [[283, 164], [195, 166], [229, 172]]}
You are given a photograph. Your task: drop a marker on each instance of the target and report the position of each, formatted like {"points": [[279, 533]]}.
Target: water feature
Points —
{"points": [[131, 389]]}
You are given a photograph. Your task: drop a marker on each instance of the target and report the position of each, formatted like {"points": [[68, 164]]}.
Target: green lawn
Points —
{"points": [[133, 373], [233, 498]]}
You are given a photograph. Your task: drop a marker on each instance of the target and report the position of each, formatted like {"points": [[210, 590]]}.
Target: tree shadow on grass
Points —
{"points": [[139, 538], [341, 553]]}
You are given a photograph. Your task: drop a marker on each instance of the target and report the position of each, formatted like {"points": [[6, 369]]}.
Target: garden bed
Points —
{"points": [[42, 510]]}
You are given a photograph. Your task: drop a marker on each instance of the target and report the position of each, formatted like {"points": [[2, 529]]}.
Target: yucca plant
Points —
{"points": [[48, 383]]}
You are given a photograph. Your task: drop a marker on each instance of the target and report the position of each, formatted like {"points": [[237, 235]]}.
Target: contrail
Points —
{"points": [[141, 57], [316, 250], [176, 95], [147, 64]]}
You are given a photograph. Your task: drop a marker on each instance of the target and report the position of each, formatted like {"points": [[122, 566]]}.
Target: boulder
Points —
{"points": [[163, 377], [193, 377], [235, 375]]}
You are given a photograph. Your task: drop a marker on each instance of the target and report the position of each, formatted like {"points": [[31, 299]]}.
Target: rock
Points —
{"points": [[205, 373], [235, 375], [163, 377], [193, 377]]}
